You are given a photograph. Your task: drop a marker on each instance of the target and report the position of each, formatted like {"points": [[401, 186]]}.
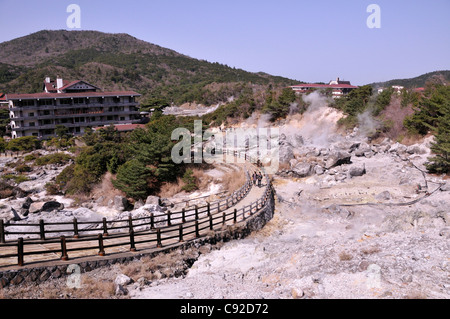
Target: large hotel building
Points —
{"points": [[75, 105]]}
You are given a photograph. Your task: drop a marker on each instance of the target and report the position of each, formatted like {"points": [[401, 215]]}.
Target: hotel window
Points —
{"points": [[78, 101], [27, 103], [46, 102]]}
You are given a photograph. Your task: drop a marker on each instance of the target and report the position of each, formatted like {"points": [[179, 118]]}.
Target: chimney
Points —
{"points": [[59, 83]]}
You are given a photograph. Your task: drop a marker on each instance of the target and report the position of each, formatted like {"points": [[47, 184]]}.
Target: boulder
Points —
{"points": [[36, 207], [120, 203], [318, 170], [139, 204], [398, 148], [286, 153], [416, 149], [52, 206], [338, 158], [445, 187], [302, 169], [357, 170], [362, 149], [153, 200]]}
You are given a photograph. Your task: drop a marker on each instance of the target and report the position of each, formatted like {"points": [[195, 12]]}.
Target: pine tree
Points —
{"points": [[441, 147], [132, 178]]}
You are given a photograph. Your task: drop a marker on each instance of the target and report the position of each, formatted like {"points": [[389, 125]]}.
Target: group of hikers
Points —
{"points": [[257, 177]]}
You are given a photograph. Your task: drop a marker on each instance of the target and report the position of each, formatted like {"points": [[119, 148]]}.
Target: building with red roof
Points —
{"points": [[73, 104], [338, 88]]}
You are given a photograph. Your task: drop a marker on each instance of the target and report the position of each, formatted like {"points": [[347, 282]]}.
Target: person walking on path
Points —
{"points": [[259, 179]]}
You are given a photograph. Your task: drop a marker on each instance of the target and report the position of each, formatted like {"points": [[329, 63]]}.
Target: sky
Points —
{"points": [[311, 41]]}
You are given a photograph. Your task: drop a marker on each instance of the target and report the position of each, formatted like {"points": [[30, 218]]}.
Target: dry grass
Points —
{"points": [[106, 189], [160, 266], [370, 250], [344, 256], [168, 190], [233, 180]]}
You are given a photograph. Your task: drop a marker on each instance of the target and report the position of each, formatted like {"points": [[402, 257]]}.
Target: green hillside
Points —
{"points": [[119, 62], [440, 77]]}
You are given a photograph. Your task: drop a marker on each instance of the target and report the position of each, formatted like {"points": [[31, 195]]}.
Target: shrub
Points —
{"points": [[16, 178], [132, 179], [27, 143], [56, 158], [190, 181], [23, 168]]}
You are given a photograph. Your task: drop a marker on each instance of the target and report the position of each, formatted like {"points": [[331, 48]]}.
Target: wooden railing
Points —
{"points": [[154, 231]]}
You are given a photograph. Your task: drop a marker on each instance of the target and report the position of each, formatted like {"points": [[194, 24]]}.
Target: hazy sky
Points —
{"points": [[304, 40]]}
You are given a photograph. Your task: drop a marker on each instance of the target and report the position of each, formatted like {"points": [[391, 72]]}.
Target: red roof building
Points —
{"points": [[73, 104], [338, 87]]}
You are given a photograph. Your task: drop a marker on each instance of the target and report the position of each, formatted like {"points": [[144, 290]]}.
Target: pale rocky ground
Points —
{"points": [[360, 229]]}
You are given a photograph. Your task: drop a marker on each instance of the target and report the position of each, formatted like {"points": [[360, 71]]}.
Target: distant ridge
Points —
{"points": [[419, 81], [117, 62]]}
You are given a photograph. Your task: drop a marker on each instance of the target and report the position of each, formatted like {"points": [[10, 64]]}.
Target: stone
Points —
{"points": [[27, 203], [357, 170], [152, 200], [384, 196], [416, 149], [303, 169], [120, 290], [17, 280], [52, 206], [319, 170], [36, 207], [3, 282], [122, 280], [44, 276], [297, 293], [445, 187], [286, 153], [120, 203], [338, 158], [16, 216]]}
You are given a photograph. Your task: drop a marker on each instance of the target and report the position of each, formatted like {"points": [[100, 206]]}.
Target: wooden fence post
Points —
{"points": [[101, 251], [183, 215], [130, 223], [196, 212], [20, 251], [158, 238], [105, 227], [169, 222], [209, 208], [211, 226], [132, 243], [235, 215], [42, 229], [197, 234], [181, 233], [75, 228], [64, 249], [152, 221], [224, 216], [2, 232]]}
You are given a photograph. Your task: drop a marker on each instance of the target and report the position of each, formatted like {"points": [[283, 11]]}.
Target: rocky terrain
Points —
{"points": [[355, 218]]}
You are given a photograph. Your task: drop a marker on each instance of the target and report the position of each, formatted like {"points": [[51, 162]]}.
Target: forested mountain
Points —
{"points": [[440, 77], [120, 62]]}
